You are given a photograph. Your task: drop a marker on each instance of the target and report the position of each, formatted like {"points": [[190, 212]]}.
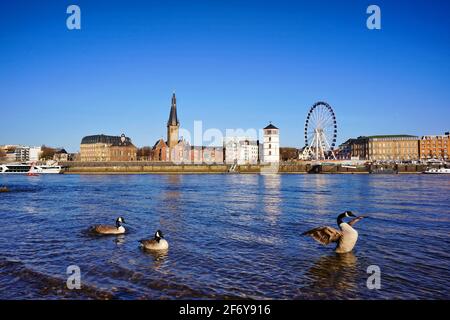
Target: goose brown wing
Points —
{"points": [[324, 235], [102, 228], [355, 220], [146, 242]]}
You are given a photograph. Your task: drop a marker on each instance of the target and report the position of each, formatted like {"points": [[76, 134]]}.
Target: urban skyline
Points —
{"points": [[114, 75], [243, 147], [256, 134]]}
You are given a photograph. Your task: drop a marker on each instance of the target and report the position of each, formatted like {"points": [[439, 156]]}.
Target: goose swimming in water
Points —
{"points": [[105, 229], [346, 238], [157, 243]]}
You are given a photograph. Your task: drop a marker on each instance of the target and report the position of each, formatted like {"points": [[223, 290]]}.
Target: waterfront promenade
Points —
{"points": [[284, 167]]}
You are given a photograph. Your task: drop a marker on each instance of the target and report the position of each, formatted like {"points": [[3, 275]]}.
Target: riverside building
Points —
{"points": [[107, 148], [179, 150], [386, 148], [270, 148], [435, 147], [241, 150]]}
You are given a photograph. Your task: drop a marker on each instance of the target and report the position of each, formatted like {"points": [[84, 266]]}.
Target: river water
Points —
{"points": [[231, 236]]}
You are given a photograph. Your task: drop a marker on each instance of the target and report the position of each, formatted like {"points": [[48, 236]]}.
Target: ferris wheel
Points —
{"points": [[320, 133]]}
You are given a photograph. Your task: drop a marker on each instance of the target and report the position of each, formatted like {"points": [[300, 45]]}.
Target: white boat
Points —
{"points": [[437, 171], [29, 168]]}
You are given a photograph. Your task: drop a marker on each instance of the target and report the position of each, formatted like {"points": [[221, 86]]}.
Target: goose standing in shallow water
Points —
{"points": [[157, 243], [346, 238], [105, 229]]}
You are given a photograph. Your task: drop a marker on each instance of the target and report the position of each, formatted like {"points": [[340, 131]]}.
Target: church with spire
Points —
{"points": [[173, 125], [178, 150], [174, 148]]}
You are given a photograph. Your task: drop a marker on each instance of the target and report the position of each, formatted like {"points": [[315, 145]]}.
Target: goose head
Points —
{"points": [[346, 214], [158, 235], [119, 222]]}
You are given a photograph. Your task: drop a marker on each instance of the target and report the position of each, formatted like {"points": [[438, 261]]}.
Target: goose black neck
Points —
{"points": [[340, 218]]}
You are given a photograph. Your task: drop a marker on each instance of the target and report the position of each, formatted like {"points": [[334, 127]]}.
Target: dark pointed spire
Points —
{"points": [[173, 118]]}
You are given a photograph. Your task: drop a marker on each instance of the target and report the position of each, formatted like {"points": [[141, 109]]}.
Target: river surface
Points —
{"points": [[231, 236]]}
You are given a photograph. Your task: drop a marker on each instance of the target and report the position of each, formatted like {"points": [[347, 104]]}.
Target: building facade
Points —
{"points": [[179, 150], [270, 148], [241, 150], [19, 153], [386, 148], [173, 149], [160, 151], [435, 147], [344, 151], [22, 154], [34, 153], [61, 155], [173, 125], [107, 148], [208, 155]]}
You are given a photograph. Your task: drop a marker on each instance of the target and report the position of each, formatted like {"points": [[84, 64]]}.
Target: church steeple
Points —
{"points": [[173, 124], [173, 118]]}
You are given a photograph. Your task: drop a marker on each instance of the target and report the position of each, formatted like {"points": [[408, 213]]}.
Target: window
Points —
{"points": [[270, 153]]}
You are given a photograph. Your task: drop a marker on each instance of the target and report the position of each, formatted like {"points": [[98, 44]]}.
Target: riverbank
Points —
{"points": [[288, 168]]}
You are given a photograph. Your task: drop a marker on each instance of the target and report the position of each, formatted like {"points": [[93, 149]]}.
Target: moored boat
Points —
{"points": [[437, 171], [31, 169]]}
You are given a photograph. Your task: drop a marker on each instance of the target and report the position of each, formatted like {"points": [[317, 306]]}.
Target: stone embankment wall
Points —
{"points": [[165, 167]]}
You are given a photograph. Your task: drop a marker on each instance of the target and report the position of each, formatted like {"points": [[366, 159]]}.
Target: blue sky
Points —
{"points": [[233, 64]]}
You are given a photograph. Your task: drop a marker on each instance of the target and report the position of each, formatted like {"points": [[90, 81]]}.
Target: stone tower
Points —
{"points": [[173, 124], [271, 145]]}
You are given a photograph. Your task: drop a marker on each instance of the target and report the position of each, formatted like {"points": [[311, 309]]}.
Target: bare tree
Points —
{"points": [[47, 153], [144, 153], [287, 154]]}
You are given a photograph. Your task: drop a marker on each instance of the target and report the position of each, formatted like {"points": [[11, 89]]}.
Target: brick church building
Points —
{"points": [[179, 150]]}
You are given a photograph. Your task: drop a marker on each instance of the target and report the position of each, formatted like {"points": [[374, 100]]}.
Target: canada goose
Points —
{"points": [[157, 243], [4, 189], [104, 229], [346, 238]]}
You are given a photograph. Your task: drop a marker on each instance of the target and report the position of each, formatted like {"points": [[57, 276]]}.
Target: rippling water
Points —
{"points": [[231, 236]]}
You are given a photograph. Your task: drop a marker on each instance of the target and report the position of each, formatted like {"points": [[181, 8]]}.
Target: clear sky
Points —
{"points": [[233, 64]]}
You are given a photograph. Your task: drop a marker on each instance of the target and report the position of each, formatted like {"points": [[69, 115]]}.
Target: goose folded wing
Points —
{"points": [[102, 228], [146, 242], [324, 235], [355, 220]]}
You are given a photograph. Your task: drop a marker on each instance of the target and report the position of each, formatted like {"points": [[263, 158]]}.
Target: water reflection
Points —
{"points": [[171, 193], [120, 239], [238, 200], [172, 189], [319, 196], [158, 257], [171, 204], [335, 274], [272, 197]]}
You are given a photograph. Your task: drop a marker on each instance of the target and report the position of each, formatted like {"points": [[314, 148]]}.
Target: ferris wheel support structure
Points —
{"points": [[320, 133]]}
